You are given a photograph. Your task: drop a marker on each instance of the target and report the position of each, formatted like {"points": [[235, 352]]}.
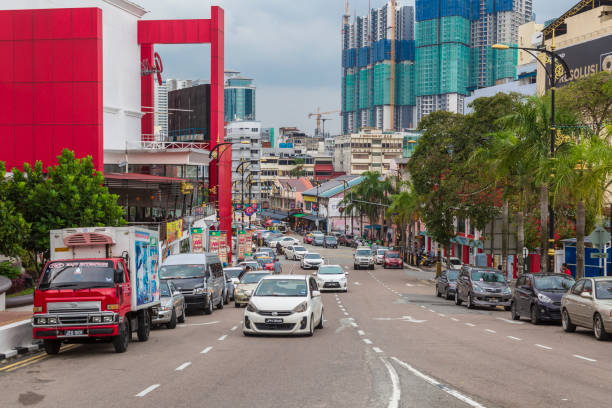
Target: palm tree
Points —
{"points": [[373, 194], [582, 171], [404, 210]]}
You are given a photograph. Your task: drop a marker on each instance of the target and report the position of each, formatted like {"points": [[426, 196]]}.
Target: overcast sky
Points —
{"points": [[290, 48]]}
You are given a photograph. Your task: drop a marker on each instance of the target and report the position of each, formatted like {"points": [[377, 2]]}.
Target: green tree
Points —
{"points": [[298, 171], [14, 229], [404, 211], [70, 194], [373, 192]]}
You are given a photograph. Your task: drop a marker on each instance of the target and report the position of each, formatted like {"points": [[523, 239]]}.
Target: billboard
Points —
{"points": [[197, 244], [585, 59], [217, 244]]}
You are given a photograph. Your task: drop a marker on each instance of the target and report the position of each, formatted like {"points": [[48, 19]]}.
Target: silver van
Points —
{"points": [[199, 277]]}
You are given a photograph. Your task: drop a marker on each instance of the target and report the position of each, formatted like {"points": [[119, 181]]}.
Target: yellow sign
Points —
{"points": [[174, 230], [310, 199]]}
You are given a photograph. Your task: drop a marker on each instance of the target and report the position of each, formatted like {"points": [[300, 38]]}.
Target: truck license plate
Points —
{"points": [[72, 333]]}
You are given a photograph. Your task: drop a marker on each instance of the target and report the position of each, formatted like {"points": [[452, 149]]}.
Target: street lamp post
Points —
{"points": [[552, 77], [242, 168]]}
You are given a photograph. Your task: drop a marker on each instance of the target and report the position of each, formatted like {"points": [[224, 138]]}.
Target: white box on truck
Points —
{"points": [[141, 246]]}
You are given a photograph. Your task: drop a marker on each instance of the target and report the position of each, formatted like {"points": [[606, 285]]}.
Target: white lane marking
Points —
{"points": [[361, 332], [409, 284], [367, 341], [454, 320], [513, 338], [490, 331], [441, 315], [346, 314], [543, 346], [234, 328], [222, 337], [585, 358], [423, 307], [432, 311], [147, 390], [356, 283], [396, 393], [377, 350], [443, 387], [353, 324], [206, 350], [183, 366], [509, 321], [470, 324], [199, 324]]}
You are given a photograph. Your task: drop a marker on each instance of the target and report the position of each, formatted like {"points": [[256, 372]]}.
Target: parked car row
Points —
{"points": [[540, 297]]}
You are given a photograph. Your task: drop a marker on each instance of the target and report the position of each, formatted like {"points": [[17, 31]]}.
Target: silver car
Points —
{"points": [[588, 304], [172, 307]]}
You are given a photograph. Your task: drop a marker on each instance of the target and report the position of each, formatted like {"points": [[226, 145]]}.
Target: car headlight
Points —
{"points": [[251, 308], [544, 299], [198, 291], [478, 289], [301, 307]]}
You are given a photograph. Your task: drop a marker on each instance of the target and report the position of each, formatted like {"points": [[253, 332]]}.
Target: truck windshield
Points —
{"points": [[78, 275], [181, 271]]}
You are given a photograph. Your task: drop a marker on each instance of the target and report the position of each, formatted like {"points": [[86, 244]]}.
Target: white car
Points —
{"points": [[311, 261], [331, 277], [295, 252], [363, 258], [284, 304], [284, 241], [455, 263], [380, 254]]}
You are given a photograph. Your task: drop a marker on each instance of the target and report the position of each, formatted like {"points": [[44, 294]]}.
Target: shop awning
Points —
{"points": [[300, 215], [315, 218], [276, 215]]}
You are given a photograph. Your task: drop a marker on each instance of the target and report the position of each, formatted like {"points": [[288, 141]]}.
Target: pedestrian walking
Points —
{"points": [[278, 269]]}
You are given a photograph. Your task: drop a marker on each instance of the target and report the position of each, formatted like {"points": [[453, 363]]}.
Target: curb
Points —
{"points": [[20, 350]]}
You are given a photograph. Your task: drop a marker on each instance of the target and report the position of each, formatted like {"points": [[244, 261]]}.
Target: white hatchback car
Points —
{"points": [[295, 252], [331, 277], [284, 304]]}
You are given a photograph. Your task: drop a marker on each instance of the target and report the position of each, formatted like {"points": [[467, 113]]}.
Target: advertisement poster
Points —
{"points": [[223, 248], [213, 241], [217, 244], [197, 244], [174, 230], [147, 263], [241, 244], [249, 243]]}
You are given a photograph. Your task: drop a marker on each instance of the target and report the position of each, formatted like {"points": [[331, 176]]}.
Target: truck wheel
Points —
{"points": [[172, 323], [122, 340], [52, 346], [144, 325], [209, 307]]}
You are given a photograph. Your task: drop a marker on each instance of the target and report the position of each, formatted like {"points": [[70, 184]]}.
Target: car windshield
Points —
{"points": [[455, 262], [74, 275], [318, 238], [253, 277], [381, 251], [312, 256], [331, 270], [181, 271], [299, 249], [330, 239], [364, 252], [282, 287], [164, 290], [487, 276], [603, 290], [233, 272], [392, 255], [452, 275], [561, 282], [251, 264]]}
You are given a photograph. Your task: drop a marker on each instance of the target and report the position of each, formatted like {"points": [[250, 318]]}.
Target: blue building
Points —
{"points": [[239, 97]]}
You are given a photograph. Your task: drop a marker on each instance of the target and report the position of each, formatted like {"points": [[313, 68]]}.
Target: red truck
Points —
{"points": [[100, 285]]}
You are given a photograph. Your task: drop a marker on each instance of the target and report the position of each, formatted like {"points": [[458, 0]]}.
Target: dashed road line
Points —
{"points": [[367, 341], [206, 350], [470, 324], [361, 332], [441, 315], [454, 319], [585, 358], [346, 314], [377, 350], [183, 366], [543, 347], [509, 321], [490, 331], [222, 337], [234, 328], [147, 390], [513, 338]]}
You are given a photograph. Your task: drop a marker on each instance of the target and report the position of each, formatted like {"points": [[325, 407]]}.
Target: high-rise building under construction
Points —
{"points": [[435, 63], [378, 81]]}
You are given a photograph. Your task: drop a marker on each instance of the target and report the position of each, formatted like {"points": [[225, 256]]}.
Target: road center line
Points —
{"points": [[367, 341], [147, 390], [443, 387], [377, 350], [584, 358], [543, 346], [470, 324], [346, 314], [490, 331], [222, 337], [361, 332], [513, 338], [353, 324], [396, 393], [183, 366], [234, 328], [206, 350], [509, 321], [454, 320], [441, 315]]}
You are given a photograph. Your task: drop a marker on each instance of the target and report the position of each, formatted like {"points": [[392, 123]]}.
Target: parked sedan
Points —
{"points": [[392, 259], [589, 304], [284, 304], [482, 287], [172, 308], [311, 261], [446, 284], [538, 296], [330, 242], [380, 255], [455, 263], [245, 288], [295, 253], [331, 277]]}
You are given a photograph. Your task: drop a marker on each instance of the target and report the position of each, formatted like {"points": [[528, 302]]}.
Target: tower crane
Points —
{"points": [[318, 115]]}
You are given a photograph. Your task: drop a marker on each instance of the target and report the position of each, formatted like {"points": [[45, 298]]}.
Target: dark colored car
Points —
{"points": [[346, 240], [538, 296], [392, 259], [446, 283], [318, 240], [486, 287], [330, 242]]}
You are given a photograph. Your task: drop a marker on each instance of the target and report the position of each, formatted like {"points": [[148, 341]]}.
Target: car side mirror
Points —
{"points": [[316, 293], [587, 295]]}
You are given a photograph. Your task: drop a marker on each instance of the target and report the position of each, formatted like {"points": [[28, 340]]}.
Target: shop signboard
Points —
{"points": [[174, 230], [197, 244], [249, 243], [223, 248], [241, 244]]}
